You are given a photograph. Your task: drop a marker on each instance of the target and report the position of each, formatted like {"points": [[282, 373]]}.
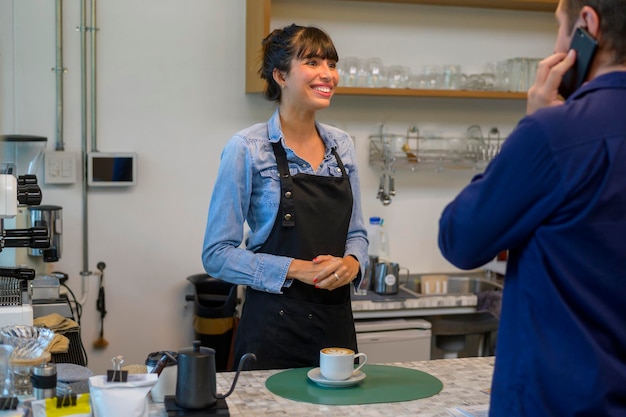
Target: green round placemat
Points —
{"points": [[382, 384]]}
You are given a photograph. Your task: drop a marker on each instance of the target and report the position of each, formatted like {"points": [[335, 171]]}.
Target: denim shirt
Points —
{"points": [[247, 189]]}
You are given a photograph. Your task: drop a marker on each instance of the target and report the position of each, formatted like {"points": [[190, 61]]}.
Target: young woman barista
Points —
{"points": [[295, 182]]}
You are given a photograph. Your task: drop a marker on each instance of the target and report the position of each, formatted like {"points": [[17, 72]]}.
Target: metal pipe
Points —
{"points": [[83, 99], [94, 118], [59, 71]]}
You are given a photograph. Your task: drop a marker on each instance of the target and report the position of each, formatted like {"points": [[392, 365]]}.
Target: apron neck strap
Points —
{"points": [[339, 161], [287, 206]]}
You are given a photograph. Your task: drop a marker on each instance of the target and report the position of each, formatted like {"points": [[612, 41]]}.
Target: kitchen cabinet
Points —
{"points": [[394, 340], [258, 19]]}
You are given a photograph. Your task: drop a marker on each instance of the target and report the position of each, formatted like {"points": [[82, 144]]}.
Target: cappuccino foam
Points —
{"points": [[337, 351]]}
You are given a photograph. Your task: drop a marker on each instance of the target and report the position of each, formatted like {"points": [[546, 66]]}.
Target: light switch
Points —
{"points": [[60, 167]]}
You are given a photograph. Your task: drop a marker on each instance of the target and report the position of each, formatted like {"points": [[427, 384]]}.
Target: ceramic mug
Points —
{"points": [[337, 364]]}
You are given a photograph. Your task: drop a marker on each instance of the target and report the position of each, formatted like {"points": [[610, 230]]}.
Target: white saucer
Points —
{"points": [[316, 376]]}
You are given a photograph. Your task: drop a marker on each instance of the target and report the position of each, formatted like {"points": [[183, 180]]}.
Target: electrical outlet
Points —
{"points": [[60, 167]]}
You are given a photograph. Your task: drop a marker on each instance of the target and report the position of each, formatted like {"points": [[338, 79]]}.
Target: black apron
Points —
{"points": [[288, 330]]}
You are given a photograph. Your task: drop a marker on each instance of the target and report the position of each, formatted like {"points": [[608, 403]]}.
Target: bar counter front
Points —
{"points": [[466, 383]]}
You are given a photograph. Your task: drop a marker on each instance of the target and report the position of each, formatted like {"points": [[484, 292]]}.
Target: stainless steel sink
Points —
{"points": [[462, 284], [471, 284]]}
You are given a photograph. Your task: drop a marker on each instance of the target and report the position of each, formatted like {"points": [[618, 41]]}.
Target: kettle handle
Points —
{"points": [[241, 363]]}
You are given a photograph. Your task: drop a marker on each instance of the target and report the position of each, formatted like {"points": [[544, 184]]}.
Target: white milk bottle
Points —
{"points": [[378, 240]]}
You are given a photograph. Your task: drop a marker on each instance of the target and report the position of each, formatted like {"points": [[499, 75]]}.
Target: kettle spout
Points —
{"points": [[167, 356], [242, 361]]}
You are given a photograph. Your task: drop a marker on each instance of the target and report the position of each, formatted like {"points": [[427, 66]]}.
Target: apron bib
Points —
{"points": [[288, 330]]}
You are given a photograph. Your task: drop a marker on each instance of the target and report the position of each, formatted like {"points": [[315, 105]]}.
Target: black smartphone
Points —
{"points": [[585, 47]]}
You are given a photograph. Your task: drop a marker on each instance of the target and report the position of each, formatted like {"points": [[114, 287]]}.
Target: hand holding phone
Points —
{"points": [[585, 47]]}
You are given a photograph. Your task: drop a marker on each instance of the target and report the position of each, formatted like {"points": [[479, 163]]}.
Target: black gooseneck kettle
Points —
{"points": [[196, 378]]}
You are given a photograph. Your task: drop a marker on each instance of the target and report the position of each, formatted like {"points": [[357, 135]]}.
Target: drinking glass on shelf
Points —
{"points": [[347, 69], [531, 71], [503, 75], [416, 81], [473, 82], [488, 81], [362, 74], [433, 77], [398, 76], [518, 73], [376, 73], [451, 79]]}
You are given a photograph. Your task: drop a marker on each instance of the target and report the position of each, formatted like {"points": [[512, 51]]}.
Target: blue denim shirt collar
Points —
{"points": [[275, 132]]}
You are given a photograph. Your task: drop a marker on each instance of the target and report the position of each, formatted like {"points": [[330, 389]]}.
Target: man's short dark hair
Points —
{"points": [[612, 14]]}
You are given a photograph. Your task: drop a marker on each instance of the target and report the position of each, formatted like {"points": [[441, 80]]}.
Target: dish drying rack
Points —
{"points": [[414, 152]]}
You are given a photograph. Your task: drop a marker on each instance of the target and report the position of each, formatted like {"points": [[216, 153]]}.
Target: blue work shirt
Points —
{"points": [[556, 198], [247, 189]]}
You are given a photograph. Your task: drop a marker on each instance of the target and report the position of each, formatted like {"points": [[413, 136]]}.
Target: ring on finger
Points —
{"points": [[336, 276]]}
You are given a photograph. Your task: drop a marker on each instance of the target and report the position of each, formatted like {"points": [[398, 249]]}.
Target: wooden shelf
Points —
{"points": [[407, 92], [258, 19], [533, 5]]}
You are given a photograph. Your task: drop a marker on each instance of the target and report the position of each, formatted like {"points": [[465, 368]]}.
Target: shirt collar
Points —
{"points": [[615, 79], [275, 132]]}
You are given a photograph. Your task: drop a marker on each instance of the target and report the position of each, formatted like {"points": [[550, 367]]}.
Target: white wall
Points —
{"points": [[171, 88]]}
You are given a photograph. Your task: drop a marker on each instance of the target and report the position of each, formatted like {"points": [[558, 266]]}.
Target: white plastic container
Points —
{"points": [[166, 383], [378, 240]]}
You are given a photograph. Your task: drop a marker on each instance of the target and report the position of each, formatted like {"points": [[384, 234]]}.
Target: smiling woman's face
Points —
{"points": [[310, 83]]}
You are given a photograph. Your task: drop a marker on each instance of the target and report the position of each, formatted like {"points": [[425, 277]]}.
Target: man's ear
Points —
{"points": [[590, 21]]}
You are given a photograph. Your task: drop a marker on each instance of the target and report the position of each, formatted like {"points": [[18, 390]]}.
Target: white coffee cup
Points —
{"points": [[337, 364]]}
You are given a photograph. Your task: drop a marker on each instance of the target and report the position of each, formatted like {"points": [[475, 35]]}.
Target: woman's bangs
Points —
{"points": [[316, 44]]}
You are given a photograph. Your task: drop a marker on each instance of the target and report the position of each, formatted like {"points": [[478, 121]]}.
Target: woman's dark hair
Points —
{"points": [[281, 46], [612, 14]]}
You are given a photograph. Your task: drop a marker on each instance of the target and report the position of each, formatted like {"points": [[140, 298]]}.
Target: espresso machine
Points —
{"points": [[15, 306], [30, 236]]}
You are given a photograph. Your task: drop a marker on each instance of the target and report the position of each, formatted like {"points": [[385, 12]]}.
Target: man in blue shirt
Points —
{"points": [[555, 197]]}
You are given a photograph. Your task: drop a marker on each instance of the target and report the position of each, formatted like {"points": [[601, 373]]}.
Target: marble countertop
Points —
{"points": [[466, 382]]}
